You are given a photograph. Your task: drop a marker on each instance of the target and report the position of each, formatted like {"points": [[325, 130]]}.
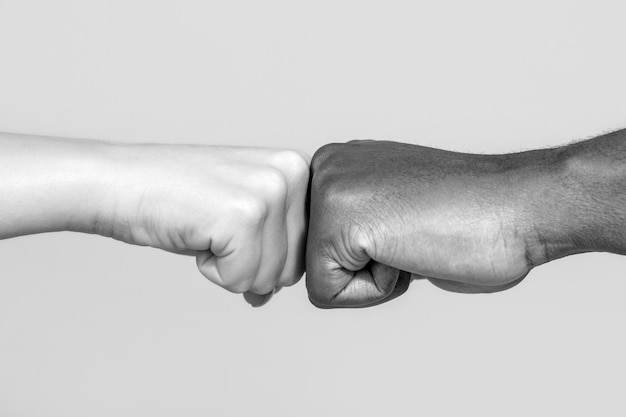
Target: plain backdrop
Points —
{"points": [[93, 327]]}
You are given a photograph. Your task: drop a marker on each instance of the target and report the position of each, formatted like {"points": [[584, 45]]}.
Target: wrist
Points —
{"points": [[594, 177], [126, 172], [51, 184], [148, 186], [95, 169], [544, 216], [565, 210]]}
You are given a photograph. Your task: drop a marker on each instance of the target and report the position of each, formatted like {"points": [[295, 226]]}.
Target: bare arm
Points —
{"points": [[467, 222], [53, 184], [239, 211], [589, 211]]}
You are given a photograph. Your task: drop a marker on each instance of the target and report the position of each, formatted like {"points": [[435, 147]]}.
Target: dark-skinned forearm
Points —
{"points": [[583, 207]]}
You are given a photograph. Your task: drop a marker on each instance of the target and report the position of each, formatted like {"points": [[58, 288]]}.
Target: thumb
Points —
{"points": [[259, 300]]}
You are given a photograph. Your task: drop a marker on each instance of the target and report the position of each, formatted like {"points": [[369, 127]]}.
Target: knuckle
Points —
{"points": [[294, 162], [251, 210], [327, 149], [322, 154], [274, 185], [330, 185], [322, 181], [332, 195]]}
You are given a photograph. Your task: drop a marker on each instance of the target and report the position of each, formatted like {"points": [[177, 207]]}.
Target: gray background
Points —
{"points": [[90, 326]]}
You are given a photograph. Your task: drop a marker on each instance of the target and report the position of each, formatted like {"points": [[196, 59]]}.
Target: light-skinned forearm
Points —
{"points": [[240, 211], [52, 184]]}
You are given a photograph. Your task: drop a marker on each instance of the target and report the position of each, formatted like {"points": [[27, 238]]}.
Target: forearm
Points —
{"points": [[51, 184], [597, 177], [583, 207]]}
